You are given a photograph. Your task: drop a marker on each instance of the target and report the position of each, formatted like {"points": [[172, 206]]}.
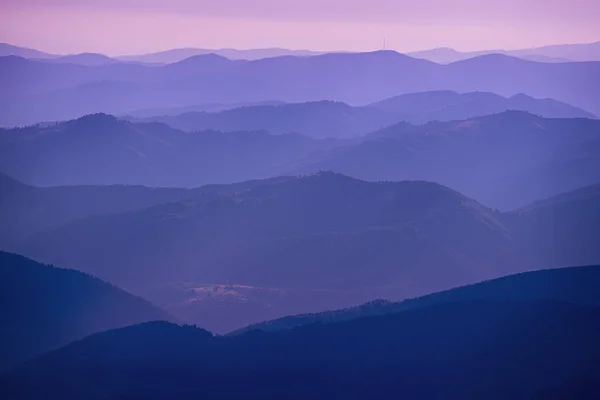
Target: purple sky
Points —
{"points": [[119, 27]]}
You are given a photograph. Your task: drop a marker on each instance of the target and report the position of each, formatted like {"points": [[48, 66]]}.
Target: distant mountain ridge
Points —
{"points": [[314, 119], [448, 105], [547, 156], [176, 55], [554, 53], [87, 59], [161, 57], [10, 50], [335, 119], [41, 91], [101, 149], [209, 107]]}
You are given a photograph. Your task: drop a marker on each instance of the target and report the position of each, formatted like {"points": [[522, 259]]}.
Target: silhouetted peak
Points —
{"points": [[433, 94], [95, 124], [317, 184], [391, 55], [98, 120], [329, 176], [333, 181], [377, 55], [210, 59], [386, 53], [436, 93], [493, 58], [521, 96]]}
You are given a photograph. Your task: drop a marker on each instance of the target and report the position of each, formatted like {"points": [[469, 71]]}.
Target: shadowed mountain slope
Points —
{"points": [[457, 350], [44, 308], [575, 285]]}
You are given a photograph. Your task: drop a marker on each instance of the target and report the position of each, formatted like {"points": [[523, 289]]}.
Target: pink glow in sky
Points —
{"points": [[119, 27]]}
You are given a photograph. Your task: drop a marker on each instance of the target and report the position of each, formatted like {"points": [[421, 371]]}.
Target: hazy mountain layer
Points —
{"points": [[519, 157], [312, 243], [554, 53], [505, 160], [41, 91], [102, 150], [334, 119]]}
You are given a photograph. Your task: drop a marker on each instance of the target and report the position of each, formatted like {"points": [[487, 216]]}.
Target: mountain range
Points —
{"points": [[26, 209], [451, 106], [228, 258], [86, 59], [504, 160], [35, 91], [207, 107], [25, 52], [245, 239], [554, 53], [158, 58], [540, 339], [334, 119], [176, 55], [101, 149], [294, 224], [547, 156], [44, 308], [315, 119], [446, 55]]}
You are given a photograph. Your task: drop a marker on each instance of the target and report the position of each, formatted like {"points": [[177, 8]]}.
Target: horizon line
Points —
{"points": [[131, 54]]}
